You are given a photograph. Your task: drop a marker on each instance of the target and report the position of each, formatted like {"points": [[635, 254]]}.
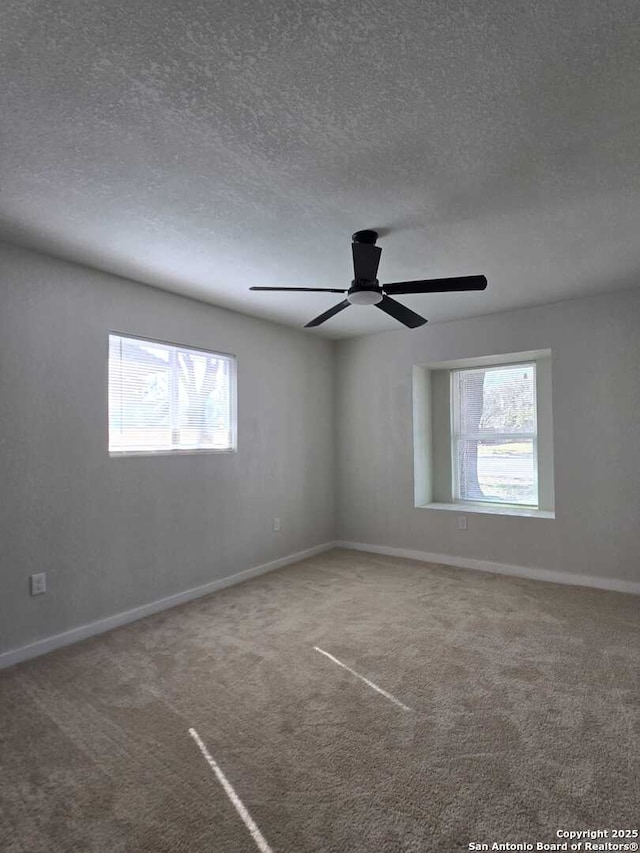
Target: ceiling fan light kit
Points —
{"points": [[364, 297], [366, 289]]}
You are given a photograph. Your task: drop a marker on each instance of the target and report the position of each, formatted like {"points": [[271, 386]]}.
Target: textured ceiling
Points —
{"points": [[207, 146]]}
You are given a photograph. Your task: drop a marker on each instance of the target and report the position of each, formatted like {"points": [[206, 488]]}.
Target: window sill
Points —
{"points": [[483, 509], [114, 454]]}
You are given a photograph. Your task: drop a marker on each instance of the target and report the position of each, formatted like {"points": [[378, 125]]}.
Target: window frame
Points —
{"points": [[456, 436], [180, 451]]}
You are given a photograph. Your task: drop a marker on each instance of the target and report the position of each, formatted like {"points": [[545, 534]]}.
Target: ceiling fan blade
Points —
{"points": [[365, 261], [437, 285], [328, 314], [314, 289], [401, 312]]}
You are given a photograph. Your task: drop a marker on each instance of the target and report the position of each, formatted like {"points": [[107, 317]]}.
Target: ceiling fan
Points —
{"points": [[366, 289]]}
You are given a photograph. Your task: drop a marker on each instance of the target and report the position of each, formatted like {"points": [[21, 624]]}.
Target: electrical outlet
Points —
{"points": [[276, 524], [38, 583], [462, 522]]}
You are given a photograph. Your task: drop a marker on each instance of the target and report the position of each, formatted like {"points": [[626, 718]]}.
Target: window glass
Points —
{"points": [[494, 441], [164, 397]]}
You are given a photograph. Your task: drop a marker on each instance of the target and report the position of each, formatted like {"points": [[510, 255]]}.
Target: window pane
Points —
{"points": [[510, 400], [501, 400], [204, 404], [497, 470], [139, 413]]}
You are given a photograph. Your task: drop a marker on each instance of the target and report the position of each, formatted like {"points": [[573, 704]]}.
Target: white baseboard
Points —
{"points": [[498, 568], [57, 641]]}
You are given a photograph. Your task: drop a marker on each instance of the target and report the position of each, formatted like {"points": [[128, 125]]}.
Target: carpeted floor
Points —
{"points": [[524, 718]]}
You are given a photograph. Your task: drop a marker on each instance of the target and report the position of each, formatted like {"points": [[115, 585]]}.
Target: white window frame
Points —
{"points": [[178, 451], [487, 435]]}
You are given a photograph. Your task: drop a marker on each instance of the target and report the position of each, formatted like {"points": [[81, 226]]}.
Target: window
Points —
{"points": [[494, 434], [483, 434], [165, 398]]}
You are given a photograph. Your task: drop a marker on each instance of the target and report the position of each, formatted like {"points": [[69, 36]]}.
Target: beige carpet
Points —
{"points": [[524, 698]]}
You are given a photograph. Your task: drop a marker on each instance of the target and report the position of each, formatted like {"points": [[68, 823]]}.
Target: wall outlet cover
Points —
{"points": [[38, 583]]}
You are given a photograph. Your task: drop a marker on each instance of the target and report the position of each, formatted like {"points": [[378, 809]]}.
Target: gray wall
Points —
{"points": [[114, 533], [595, 345]]}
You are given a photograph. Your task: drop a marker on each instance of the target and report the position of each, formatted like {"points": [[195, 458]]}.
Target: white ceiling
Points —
{"points": [[206, 146]]}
